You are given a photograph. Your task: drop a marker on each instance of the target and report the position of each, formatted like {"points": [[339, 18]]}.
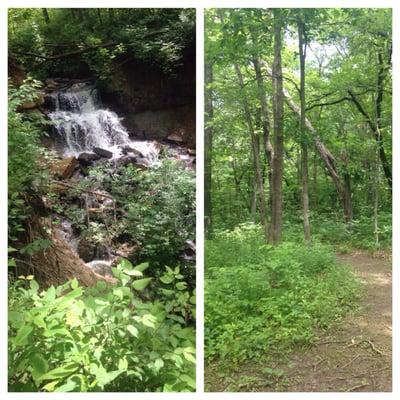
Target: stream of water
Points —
{"points": [[82, 124]]}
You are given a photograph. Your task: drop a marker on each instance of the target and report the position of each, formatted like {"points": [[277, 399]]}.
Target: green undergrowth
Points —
{"points": [[261, 299], [360, 234], [132, 336]]}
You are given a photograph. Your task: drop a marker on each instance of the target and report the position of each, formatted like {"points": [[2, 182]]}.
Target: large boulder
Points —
{"points": [[130, 150], [102, 152], [87, 159], [64, 168]]}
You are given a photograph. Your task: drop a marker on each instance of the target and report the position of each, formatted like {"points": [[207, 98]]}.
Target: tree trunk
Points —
{"points": [[277, 171], [99, 16], [46, 15], [326, 156], [208, 134], [255, 149], [268, 150], [304, 150]]}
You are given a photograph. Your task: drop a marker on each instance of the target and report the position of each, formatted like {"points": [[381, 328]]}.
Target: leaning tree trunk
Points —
{"points": [[277, 171], [326, 156]]}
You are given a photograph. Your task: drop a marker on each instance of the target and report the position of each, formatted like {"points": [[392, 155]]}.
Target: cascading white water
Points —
{"points": [[83, 125]]}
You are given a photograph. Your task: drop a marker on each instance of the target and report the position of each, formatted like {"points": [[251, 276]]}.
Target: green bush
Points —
{"points": [[161, 214], [360, 234], [260, 298], [103, 338], [25, 175]]}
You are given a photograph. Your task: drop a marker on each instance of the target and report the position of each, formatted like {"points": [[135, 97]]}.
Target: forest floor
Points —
{"points": [[356, 356]]}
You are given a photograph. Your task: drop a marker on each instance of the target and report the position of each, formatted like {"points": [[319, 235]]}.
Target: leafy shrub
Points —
{"points": [[24, 172], [260, 299], [102, 338], [360, 234], [161, 214]]}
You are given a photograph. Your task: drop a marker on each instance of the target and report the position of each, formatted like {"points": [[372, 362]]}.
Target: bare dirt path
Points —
{"points": [[355, 357]]}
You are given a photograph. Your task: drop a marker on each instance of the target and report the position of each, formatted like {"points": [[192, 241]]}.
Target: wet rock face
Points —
{"points": [[153, 104], [86, 250]]}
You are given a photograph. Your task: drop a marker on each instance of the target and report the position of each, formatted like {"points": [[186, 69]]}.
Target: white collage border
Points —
{"points": [[200, 5]]}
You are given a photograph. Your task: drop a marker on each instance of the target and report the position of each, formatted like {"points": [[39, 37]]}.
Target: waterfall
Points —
{"points": [[82, 124]]}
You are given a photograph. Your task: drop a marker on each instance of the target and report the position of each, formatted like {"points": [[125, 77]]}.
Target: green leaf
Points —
{"points": [[65, 301], [39, 364], [149, 320], [118, 292], [61, 372], [189, 357], [189, 380], [158, 364], [23, 335], [132, 330], [49, 295], [181, 285], [167, 279], [11, 262], [16, 318], [34, 286], [133, 273], [74, 283], [50, 386], [141, 283], [67, 387], [125, 264], [142, 267], [123, 364]]}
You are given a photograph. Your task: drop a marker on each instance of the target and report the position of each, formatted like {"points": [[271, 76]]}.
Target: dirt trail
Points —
{"points": [[356, 357]]}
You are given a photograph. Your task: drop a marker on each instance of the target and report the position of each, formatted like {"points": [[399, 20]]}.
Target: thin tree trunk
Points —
{"points": [[208, 134], [99, 16], [268, 149], [46, 15], [260, 184], [376, 197], [304, 150], [253, 207], [277, 172]]}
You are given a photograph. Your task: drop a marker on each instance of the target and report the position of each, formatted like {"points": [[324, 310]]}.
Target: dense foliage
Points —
{"points": [[131, 336], [26, 177], [348, 50], [153, 209], [98, 36], [262, 299]]}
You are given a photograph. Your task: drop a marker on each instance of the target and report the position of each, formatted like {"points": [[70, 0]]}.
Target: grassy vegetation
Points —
{"points": [[261, 299]]}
